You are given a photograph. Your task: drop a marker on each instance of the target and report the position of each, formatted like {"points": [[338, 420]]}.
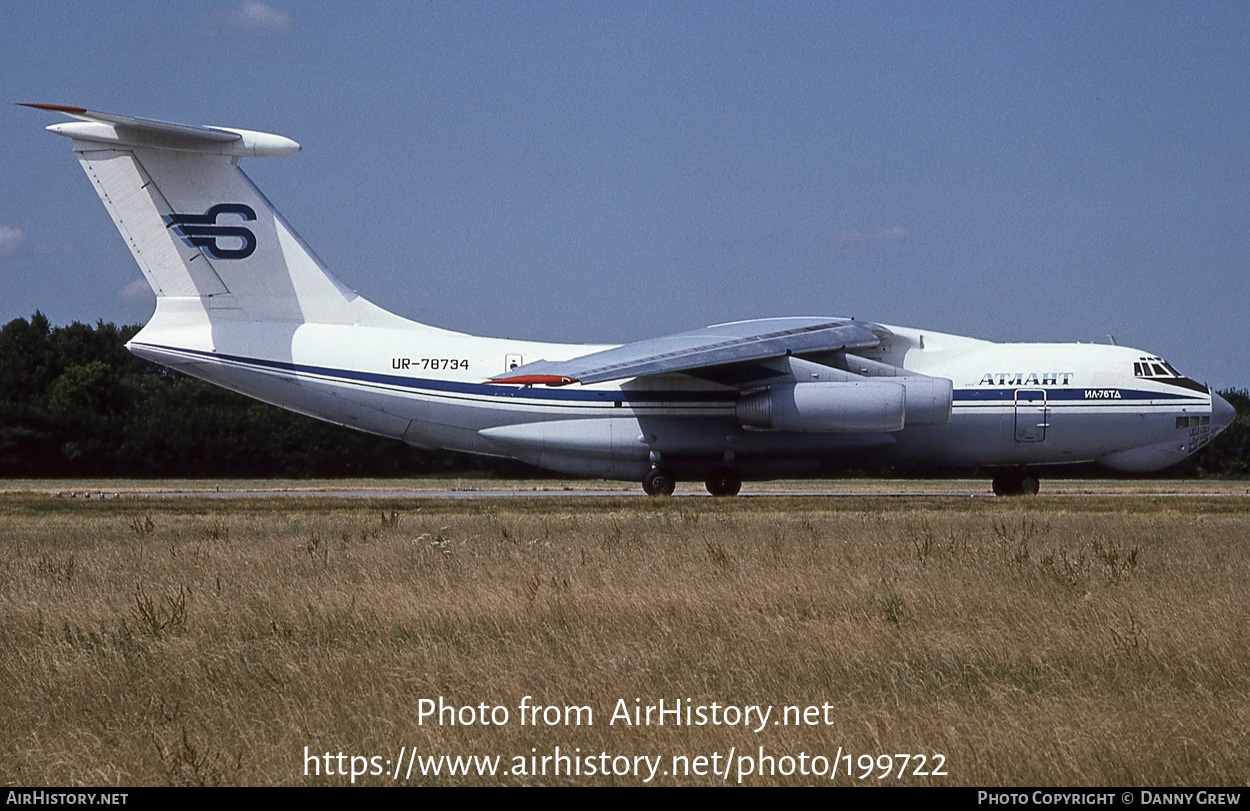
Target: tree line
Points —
{"points": [[75, 403]]}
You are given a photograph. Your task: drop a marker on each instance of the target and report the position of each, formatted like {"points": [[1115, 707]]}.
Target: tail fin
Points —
{"points": [[208, 242]]}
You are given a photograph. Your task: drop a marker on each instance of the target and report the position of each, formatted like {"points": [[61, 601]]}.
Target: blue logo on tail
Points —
{"points": [[203, 232]]}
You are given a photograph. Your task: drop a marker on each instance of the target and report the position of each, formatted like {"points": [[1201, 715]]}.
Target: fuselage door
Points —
{"points": [[1032, 415]]}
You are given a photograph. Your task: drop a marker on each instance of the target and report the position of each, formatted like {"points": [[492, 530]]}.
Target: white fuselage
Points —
{"points": [[1013, 404]]}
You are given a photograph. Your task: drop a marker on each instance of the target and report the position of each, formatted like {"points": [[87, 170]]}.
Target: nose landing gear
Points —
{"points": [[1015, 483]]}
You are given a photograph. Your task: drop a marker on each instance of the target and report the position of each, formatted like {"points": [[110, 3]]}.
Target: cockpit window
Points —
{"points": [[1162, 371], [1154, 367]]}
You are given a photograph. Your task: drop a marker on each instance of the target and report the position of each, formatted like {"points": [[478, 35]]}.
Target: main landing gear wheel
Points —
{"points": [[1015, 483], [724, 483], [658, 483]]}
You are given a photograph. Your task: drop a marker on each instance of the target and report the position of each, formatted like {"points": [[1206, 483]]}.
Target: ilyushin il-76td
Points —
{"points": [[243, 302]]}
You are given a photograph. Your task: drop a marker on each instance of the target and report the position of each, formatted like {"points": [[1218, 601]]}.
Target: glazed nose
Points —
{"points": [[1222, 414]]}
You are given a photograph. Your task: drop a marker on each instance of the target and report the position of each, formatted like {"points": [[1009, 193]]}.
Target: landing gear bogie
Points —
{"points": [[725, 483], [658, 483]]}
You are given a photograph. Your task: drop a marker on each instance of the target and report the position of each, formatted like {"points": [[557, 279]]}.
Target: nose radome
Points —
{"points": [[1222, 414]]}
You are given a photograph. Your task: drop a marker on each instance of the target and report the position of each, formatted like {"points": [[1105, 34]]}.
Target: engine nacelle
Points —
{"points": [[929, 400], [870, 406]]}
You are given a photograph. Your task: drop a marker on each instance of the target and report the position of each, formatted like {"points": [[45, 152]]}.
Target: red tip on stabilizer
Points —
{"points": [[56, 108], [531, 380]]}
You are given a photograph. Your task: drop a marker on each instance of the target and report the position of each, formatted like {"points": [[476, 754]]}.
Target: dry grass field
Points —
{"points": [[1056, 640]]}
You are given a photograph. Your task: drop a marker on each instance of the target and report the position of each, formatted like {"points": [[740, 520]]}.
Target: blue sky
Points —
{"points": [[600, 172]]}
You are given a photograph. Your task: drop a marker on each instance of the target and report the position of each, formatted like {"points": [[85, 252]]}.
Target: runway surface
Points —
{"points": [[858, 489]]}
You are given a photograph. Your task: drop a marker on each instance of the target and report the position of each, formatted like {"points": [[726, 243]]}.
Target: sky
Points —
{"points": [[607, 172]]}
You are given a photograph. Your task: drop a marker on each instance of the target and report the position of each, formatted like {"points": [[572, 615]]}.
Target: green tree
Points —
{"points": [[1228, 455], [74, 402]]}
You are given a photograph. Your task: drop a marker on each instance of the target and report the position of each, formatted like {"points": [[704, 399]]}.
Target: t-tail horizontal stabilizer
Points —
{"points": [[109, 128]]}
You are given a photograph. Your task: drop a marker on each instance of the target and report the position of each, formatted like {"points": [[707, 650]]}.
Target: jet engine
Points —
{"points": [[849, 406]]}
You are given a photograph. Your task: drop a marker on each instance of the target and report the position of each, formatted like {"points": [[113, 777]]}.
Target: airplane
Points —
{"points": [[243, 302]]}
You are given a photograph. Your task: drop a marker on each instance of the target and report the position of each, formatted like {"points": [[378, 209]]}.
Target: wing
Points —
{"points": [[718, 345]]}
